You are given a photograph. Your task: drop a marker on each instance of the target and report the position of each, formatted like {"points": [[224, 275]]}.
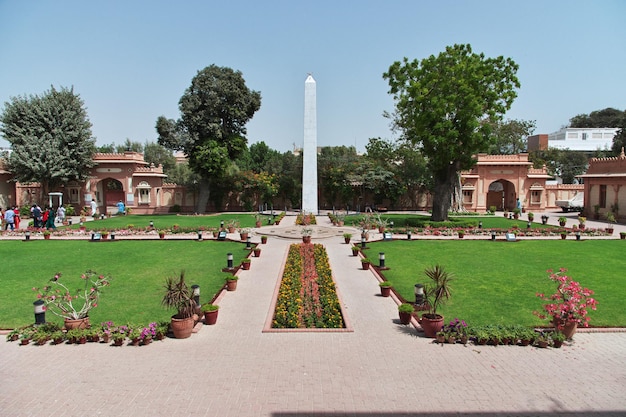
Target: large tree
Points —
{"points": [[444, 104], [511, 136], [211, 131], [50, 136]]}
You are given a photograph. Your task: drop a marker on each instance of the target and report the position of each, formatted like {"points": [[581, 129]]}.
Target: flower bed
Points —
{"points": [[307, 296]]}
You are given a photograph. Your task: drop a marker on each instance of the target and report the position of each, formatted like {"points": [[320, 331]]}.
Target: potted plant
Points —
{"points": [[436, 293], [385, 288], [161, 330], [161, 234], [232, 225], [256, 251], [244, 233], [365, 263], [355, 250], [516, 213], [557, 338], [347, 237], [610, 218], [525, 335], [231, 282], [542, 340], [178, 296], [622, 235], [245, 264], [569, 306], [210, 313], [75, 309], [306, 235], [562, 221], [461, 233], [148, 333], [581, 222], [544, 219], [263, 239], [531, 216], [405, 312], [258, 219], [46, 234]]}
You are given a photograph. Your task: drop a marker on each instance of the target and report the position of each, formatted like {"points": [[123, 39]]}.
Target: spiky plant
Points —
{"points": [[178, 296], [438, 292]]}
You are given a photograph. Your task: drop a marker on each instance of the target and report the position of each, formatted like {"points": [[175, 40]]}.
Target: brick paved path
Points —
{"points": [[381, 368]]}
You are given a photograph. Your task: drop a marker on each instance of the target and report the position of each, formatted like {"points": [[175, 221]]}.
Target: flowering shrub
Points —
{"points": [[59, 300], [456, 328], [307, 297], [570, 303]]}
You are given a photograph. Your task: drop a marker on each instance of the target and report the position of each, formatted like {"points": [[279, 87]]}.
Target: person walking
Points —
{"points": [[16, 217], [50, 218], [9, 219], [35, 212], [61, 214], [93, 208]]}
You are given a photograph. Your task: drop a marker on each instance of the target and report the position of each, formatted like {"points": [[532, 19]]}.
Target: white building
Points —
{"points": [[583, 139]]}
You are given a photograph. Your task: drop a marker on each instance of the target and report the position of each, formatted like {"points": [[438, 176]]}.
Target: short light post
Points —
{"points": [[248, 246], [578, 235], [222, 225], [381, 260], [480, 224], [528, 224], [363, 242], [419, 295], [27, 235], [199, 234], [69, 221], [40, 312], [229, 260], [408, 234], [195, 290], [102, 216], [151, 224], [112, 235], [493, 235]]}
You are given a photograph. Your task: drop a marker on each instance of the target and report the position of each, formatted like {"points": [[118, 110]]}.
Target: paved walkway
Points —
{"points": [[380, 369]]}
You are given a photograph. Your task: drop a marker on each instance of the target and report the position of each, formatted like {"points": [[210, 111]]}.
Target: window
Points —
{"points": [[468, 196], [602, 196], [74, 196], [584, 136], [144, 196], [535, 197]]}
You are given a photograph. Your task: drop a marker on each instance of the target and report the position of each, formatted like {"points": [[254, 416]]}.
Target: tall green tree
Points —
{"points": [[444, 103], [153, 153], [510, 137], [608, 117], [211, 130], [50, 136]]}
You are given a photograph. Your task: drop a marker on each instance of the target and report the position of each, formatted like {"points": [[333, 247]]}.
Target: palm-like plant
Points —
{"points": [[178, 296], [438, 292]]}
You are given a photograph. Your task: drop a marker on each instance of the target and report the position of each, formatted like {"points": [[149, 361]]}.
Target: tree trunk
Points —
{"points": [[444, 187], [456, 203], [204, 191]]}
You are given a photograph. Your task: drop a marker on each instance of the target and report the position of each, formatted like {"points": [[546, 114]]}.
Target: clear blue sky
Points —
{"points": [[130, 61]]}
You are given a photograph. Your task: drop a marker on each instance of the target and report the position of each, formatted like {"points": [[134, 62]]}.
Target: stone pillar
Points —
{"points": [[309, 151]]}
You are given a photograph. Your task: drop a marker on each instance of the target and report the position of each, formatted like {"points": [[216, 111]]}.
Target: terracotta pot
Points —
{"points": [[258, 224], [563, 236], [243, 236], [557, 343], [568, 329], [210, 317], [385, 291], [365, 265], [263, 239], [355, 252], [118, 342], [245, 265], [161, 235], [257, 252], [306, 239], [431, 325], [347, 240], [182, 328], [146, 341], [461, 235], [136, 341], [405, 318], [231, 285], [47, 237], [77, 324]]}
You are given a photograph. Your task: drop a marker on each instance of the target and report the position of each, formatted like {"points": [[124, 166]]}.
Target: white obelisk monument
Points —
{"points": [[309, 151]]}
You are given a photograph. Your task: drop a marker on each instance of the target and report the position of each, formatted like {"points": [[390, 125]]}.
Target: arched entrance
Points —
{"points": [[113, 192], [501, 194]]}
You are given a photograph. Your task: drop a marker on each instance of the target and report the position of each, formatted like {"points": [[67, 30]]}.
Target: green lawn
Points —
{"points": [[138, 268], [496, 282], [402, 221], [167, 221]]}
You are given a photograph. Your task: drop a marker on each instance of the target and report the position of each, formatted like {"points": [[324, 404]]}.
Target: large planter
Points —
{"points": [[568, 329], [210, 317], [182, 328], [77, 324], [431, 325]]}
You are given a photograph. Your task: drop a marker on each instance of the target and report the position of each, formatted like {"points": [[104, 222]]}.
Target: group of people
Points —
{"points": [[10, 218], [45, 218]]}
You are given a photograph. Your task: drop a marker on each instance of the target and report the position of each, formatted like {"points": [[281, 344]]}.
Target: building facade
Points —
{"points": [[574, 139], [605, 187]]}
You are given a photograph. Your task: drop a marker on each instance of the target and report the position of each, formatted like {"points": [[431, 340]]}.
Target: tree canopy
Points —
{"points": [[211, 130], [50, 136], [510, 137], [444, 104]]}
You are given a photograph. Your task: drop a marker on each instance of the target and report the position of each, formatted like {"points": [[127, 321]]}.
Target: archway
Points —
{"points": [[501, 194], [113, 192]]}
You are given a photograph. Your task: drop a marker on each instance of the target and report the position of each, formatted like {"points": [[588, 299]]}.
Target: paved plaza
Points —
{"points": [[381, 368]]}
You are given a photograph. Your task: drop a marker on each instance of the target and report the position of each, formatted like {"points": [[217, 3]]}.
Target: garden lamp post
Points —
{"points": [[222, 225], [578, 235], [195, 290], [27, 235], [362, 242], [229, 260], [493, 235], [381, 259], [112, 235], [528, 224], [408, 234], [151, 224], [419, 294], [40, 312], [480, 224], [248, 243], [199, 234]]}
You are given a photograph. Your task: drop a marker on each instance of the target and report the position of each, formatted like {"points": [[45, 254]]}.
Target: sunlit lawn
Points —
{"points": [[496, 282], [138, 268]]}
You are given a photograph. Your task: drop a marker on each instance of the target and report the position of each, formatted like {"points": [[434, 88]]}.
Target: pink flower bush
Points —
{"points": [[570, 303]]}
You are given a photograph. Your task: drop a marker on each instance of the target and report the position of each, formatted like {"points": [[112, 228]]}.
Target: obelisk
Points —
{"points": [[309, 150]]}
